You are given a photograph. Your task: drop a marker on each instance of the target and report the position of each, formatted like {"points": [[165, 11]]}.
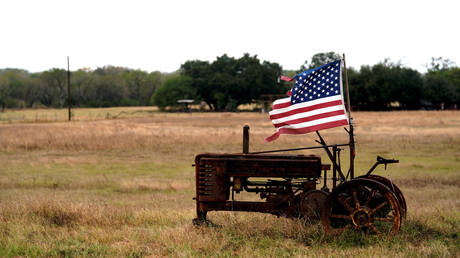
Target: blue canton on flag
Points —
{"points": [[316, 102], [320, 82]]}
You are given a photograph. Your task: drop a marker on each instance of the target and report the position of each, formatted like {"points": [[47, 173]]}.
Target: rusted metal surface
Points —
{"points": [[361, 204], [394, 188], [311, 203], [246, 139], [288, 176], [287, 186]]}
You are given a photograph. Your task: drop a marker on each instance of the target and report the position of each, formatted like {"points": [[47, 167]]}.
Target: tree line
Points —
{"points": [[227, 83]]}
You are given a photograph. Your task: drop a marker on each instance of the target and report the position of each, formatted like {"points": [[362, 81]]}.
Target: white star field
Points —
{"points": [[323, 82]]}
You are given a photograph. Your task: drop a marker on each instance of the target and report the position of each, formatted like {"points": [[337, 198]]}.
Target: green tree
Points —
{"points": [[439, 64], [152, 82], [228, 82], [12, 87], [54, 87], [320, 59], [80, 81], [200, 72], [172, 90], [438, 90]]}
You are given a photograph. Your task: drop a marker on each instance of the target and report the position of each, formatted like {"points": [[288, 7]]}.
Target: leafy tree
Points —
{"points": [[172, 90], [200, 72], [228, 82], [438, 89], [152, 81], [439, 64], [12, 87], [54, 81], [80, 81], [377, 86], [320, 59]]}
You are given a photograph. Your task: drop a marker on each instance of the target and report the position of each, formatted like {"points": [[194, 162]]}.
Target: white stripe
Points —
{"points": [[315, 122], [281, 101], [307, 114], [305, 104]]}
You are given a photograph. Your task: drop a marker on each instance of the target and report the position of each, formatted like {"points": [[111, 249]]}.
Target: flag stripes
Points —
{"points": [[316, 103]]}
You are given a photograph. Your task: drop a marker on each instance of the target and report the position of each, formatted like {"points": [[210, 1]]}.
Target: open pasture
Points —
{"points": [[124, 187]]}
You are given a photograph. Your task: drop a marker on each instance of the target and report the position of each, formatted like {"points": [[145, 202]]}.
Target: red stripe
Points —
{"points": [[285, 78], [282, 105], [306, 109], [306, 129], [311, 118], [313, 128]]}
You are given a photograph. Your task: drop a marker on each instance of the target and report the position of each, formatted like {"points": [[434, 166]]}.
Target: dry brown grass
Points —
{"points": [[124, 187]]}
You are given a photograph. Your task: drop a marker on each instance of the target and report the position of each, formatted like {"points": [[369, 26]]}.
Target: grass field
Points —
{"points": [[124, 187]]}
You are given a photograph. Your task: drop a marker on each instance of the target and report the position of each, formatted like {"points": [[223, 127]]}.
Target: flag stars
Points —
{"points": [[317, 84]]}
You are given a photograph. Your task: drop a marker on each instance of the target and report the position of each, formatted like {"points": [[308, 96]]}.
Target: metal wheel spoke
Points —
{"points": [[370, 197], [345, 204], [363, 204], [355, 197], [378, 207], [338, 216]]}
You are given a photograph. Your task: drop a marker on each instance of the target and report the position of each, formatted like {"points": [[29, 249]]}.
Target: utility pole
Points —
{"points": [[68, 89]]}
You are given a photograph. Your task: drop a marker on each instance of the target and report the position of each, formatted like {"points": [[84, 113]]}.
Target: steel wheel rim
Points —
{"points": [[362, 204], [394, 188]]}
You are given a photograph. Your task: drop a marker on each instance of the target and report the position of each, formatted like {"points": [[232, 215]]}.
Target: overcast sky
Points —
{"points": [[161, 35]]}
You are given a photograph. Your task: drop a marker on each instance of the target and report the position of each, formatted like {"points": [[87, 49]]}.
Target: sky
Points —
{"points": [[162, 35]]}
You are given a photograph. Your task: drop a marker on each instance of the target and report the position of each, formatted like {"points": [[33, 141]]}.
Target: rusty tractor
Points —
{"points": [[290, 186]]}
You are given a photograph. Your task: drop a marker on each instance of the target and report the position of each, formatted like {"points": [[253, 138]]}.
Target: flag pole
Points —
{"points": [[350, 131]]}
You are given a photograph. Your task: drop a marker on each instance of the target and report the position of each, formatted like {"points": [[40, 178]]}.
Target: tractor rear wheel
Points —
{"points": [[361, 204], [394, 188]]}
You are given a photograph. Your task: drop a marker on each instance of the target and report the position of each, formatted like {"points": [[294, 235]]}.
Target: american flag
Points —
{"points": [[316, 103]]}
